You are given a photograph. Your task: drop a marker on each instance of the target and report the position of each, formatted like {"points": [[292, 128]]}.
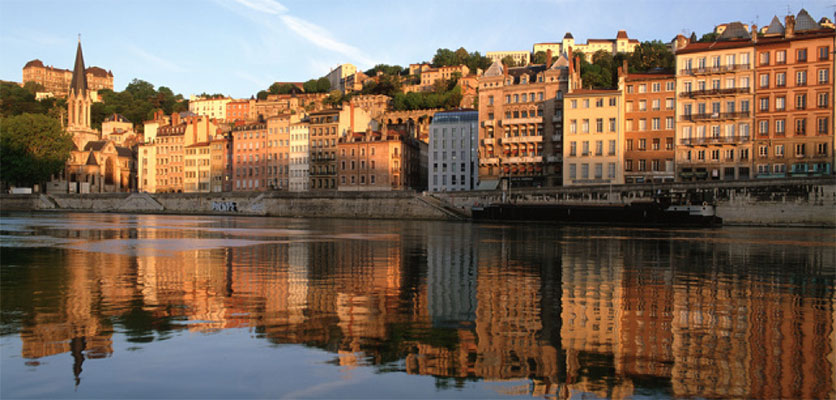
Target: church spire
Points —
{"points": [[79, 82]]}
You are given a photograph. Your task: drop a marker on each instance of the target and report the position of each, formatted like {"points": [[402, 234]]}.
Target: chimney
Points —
{"points": [[175, 119], [624, 67], [754, 33], [680, 42], [548, 58], [505, 72], [789, 26]]}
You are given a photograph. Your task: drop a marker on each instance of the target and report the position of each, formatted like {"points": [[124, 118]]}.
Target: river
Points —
{"points": [[161, 306]]}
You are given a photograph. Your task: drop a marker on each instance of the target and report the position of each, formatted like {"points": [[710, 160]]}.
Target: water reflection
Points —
{"points": [[561, 311]]}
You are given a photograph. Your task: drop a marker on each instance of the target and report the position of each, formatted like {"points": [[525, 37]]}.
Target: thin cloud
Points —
{"points": [[311, 32], [157, 61]]}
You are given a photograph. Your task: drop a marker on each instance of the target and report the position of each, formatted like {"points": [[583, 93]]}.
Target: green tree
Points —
{"points": [[386, 69], [509, 61], [539, 58], [708, 37], [388, 85], [32, 148], [262, 94], [444, 58], [650, 55], [321, 85], [15, 100], [282, 88]]}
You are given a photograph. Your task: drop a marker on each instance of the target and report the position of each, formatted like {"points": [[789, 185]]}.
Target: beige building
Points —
{"points": [[210, 107], [298, 176], [621, 44], [338, 75], [57, 80], [714, 86], [521, 123], [326, 128], [278, 151], [197, 168], [372, 161], [432, 75], [521, 58], [593, 137]]}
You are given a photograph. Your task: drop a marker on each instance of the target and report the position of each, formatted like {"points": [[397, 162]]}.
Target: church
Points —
{"points": [[97, 162]]}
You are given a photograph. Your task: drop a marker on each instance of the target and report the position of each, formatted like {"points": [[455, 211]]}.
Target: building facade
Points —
{"points": [[57, 80], [593, 137], [794, 116], [521, 123], [250, 157], [337, 76], [278, 152], [714, 111], [299, 156], [197, 168], [372, 161], [649, 130], [453, 156], [521, 58], [210, 107], [238, 110], [326, 128]]}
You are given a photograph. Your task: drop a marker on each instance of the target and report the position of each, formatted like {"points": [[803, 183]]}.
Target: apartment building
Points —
{"points": [[278, 152], [238, 110], [621, 44], [430, 76], [212, 107], [714, 111], [453, 156], [325, 129], [57, 80], [521, 123], [521, 58], [794, 112], [374, 161], [197, 168], [250, 157], [299, 156], [338, 75], [220, 175], [593, 137], [649, 115]]}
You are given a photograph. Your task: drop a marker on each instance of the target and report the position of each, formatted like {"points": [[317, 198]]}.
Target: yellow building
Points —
{"points": [[593, 135], [714, 107], [521, 58], [210, 107], [197, 168]]}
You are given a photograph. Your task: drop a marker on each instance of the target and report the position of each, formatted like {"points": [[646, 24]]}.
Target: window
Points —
{"points": [[669, 143], [656, 87], [670, 86], [642, 88], [822, 126], [612, 101], [599, 147], [573, 126], [584, 171], [642, 124], [629, 144], [599, 102], [599, 170], [642, 165], [801, 101], [642, 144], [612, 124], [669, 123], [628, 165], [779, 150], [573, 146], [585, 126], [763, 151], [611, 148], [611, 170], [800, 149], [585, 149], [642, 105], [764, 80], [780, 103], [780, 128], [780, 79], [801, 78], [801, 126], [824, 53], [573, 171], [823, 74], [764, 103], [763, 128], [585, 103], [781, 57], [656, 143], [821, 148], [599, 125], [801, 55], [764, 58], [669, 104], [656, 105], [654, 124]]}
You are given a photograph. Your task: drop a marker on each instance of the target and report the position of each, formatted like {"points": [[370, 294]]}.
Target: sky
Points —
{"points": [[238, 47]]}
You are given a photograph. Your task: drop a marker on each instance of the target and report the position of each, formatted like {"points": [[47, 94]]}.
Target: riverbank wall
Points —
{"points": [[797, 202]]}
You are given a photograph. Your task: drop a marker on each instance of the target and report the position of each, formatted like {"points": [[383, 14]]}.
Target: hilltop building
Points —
{"points": [[57, 81]]}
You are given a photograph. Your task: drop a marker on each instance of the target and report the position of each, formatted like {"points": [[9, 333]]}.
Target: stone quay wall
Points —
{"points": [[794, 202]]}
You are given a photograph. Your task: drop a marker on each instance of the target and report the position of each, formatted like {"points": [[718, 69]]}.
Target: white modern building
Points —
{"points": [[299, 157], [453, 161]]}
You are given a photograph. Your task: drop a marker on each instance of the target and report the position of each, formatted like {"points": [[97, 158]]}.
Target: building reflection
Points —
{"points": [[473, 302]]}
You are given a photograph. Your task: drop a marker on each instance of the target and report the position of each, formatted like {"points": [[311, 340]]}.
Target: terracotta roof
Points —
{"points": [[708, 46], [568, 35], [804, 22], [199, 144], [97, 71], [581, 92], [34, 63], [621, 35], [650, 75]]}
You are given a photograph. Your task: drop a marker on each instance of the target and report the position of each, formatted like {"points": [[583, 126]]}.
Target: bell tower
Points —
{"points": [[79, 102]]}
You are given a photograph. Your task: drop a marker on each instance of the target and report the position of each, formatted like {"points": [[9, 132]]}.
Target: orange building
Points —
{"points": [[794, 96], [238, 110], [278, 152], [250, 157], [649, 127], [372, 161]]}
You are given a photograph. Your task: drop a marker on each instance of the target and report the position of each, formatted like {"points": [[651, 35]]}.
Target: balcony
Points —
{"points": [[714, 92], [521, 139], [521, 121], [714, 116], [715, 70], [487, 123], [717, 140]]}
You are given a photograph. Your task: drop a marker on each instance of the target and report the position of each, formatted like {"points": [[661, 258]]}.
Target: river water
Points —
{"points": [[103, 306]]}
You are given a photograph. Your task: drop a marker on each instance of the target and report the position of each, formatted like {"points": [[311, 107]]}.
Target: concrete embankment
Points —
{"points": [[796, 202], [386, 205]]}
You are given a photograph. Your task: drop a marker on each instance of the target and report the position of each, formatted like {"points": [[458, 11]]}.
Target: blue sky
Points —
{"points": [[238, 47]]}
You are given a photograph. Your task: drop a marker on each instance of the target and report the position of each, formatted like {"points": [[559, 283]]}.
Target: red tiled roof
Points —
{"points": [[593, 91], [708, 46]]}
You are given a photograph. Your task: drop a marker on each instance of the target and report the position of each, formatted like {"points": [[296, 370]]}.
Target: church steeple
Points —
{"points": [[79, 82]]}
